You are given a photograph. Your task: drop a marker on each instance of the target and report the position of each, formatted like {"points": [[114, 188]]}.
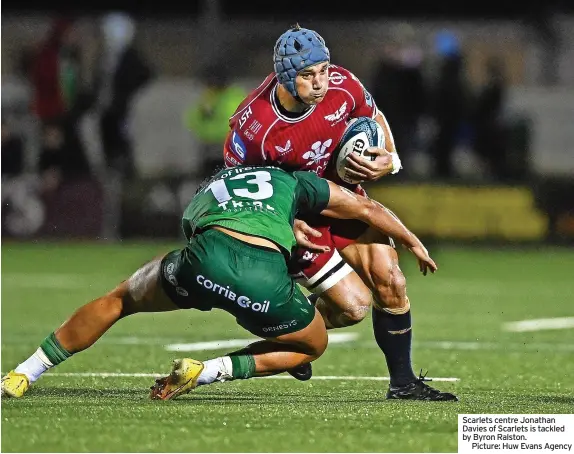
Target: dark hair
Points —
{"points": [[205, 182]]}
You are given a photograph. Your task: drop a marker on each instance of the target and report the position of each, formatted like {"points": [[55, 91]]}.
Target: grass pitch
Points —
{"points": [[459, 316]]}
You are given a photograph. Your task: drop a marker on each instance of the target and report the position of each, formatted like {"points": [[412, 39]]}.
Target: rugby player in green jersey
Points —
{"points": [[239, 236]]}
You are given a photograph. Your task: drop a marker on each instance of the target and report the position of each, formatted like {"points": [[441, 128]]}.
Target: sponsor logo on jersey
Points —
{"points": [[254, 205], [242, 301], [168, 273], [336, 78], [338, 115], [318, 152], [286, 149], [237, 146], [229, 159], [309, 256], [283, 325], [255, 126], [244, 116]]}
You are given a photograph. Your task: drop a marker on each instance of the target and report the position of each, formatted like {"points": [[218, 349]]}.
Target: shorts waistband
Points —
{"points": [[241, 246]]}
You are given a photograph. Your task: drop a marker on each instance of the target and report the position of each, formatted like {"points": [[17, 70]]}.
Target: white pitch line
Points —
{"points": [[540, 324], [357, 377], [274, 377], [334, 338]]}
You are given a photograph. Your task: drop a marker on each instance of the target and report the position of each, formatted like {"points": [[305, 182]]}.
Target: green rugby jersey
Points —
{"points": [[258, 201]]}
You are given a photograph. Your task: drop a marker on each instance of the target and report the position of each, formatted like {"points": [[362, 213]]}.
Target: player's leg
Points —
{"points": [[377, 263], [279, 354], [139, 293], [252, 284], [337, 291], [259, 359]]}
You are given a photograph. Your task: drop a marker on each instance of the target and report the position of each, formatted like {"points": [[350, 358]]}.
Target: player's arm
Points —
{"points": [[344, 204], [387, 159], [238, 151]]}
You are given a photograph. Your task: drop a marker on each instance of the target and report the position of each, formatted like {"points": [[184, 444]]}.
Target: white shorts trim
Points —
{"points": [[331, 273]]}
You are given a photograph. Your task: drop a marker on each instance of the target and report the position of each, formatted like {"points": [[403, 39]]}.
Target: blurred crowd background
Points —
{"points": [[111, 118]]}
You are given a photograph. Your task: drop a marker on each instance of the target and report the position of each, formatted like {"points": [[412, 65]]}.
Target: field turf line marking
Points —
{"points": [[540, 324], [273, 377], [334, 338]]}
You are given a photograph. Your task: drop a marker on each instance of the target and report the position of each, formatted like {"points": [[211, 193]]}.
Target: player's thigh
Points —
{"points": [[373, 257], [327, 274], [216, 271], [349, 295], [311, 339], [143, 292]]}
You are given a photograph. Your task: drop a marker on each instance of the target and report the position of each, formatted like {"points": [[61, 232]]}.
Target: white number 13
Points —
{"points": [[261, 179]]}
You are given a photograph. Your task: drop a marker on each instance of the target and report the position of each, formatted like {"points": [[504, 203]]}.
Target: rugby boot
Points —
{"points": [[14, 384], [419, 390], [183, 378], [303, 372]]}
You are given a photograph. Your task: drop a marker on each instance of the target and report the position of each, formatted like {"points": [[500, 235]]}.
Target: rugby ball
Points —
{"points": [[360, 134]]}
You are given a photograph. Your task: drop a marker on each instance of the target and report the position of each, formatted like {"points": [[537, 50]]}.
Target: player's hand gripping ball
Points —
{"points": [[361, 133]]}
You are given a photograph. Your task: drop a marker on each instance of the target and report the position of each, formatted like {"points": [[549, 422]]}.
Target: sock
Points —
{"points": [[53, 350], [34, 366], [49, 354], [243, 366], [218, 369], [394, 335]]}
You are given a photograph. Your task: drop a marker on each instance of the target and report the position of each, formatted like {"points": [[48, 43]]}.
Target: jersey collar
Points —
{"points": [[285, 115]]}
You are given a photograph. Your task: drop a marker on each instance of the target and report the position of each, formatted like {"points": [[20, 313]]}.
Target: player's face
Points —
{"points": [[312, 83]]}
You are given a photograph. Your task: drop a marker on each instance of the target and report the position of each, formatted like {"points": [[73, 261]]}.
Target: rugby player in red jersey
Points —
{"points": [[294, 120]]}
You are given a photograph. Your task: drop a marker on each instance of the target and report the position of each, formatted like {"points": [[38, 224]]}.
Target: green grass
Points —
{"points": [[457, 314]]}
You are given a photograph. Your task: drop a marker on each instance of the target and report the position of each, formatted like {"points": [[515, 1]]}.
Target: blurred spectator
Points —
{"points": [[449, 103], [208, 119], [59, 160], [58, 102], [399, 90], [488, 121], [122, 73], [12, 151], [539, 20]]}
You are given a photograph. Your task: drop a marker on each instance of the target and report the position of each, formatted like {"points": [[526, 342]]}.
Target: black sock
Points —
{"points": [[394, 335]]}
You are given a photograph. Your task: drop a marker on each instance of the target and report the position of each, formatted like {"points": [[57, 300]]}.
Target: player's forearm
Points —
{"points": [[385, 221], [344, 204], [389, 143], [389, 140]]}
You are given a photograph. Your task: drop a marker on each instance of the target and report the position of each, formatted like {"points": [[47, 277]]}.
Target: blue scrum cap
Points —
{"points": [[296, 49]]}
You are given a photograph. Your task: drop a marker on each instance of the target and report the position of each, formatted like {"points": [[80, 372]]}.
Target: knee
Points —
{"points": [[358, 308], [318, 348], [120, 301], [391, 291]]}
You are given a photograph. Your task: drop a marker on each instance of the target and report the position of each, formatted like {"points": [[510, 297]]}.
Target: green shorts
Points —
{"points": [[216, 270]]}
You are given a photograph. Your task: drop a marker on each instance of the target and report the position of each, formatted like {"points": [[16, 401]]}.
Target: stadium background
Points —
{"points": [[503, 240]]}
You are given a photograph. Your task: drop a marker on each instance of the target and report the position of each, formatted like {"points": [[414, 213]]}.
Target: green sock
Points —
{"points": [[243, 366], [53, 350]]}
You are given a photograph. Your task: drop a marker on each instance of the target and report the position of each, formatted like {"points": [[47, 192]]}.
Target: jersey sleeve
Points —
{"points": [[364, 105], [312, 192], [240, 151]]}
